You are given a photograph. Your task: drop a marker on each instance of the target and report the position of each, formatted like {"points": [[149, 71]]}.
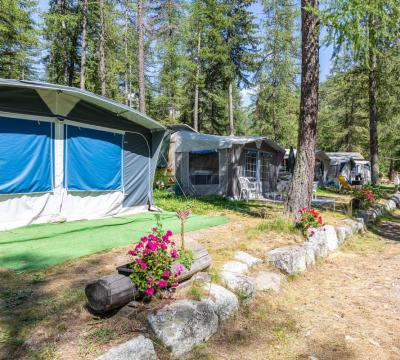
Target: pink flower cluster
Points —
{"points": [[153, 264]]}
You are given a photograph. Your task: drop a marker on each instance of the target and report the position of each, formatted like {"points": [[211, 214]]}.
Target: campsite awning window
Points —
{"points": [[204, 167], [93, 159], [26, 159]]}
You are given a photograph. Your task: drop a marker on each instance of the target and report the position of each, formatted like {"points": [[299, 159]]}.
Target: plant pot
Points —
{"points": [[125, 270], [357, 204]]}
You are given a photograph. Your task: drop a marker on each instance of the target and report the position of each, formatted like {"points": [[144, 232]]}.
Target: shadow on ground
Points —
{"points": [[388, 228]]}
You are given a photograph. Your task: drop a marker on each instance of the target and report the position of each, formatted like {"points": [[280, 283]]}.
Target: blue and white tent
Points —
{"points": [[67, 154]]}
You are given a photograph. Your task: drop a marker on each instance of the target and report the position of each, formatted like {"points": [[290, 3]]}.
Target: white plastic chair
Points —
{"points": [[247, 188], [314, 189]]}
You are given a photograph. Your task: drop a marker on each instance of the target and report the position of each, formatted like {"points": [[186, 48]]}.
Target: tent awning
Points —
{"points": [[186, 141], [40, 98]]}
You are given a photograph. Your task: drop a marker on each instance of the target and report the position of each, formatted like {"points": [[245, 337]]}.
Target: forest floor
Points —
{"points": [[345, 308]]}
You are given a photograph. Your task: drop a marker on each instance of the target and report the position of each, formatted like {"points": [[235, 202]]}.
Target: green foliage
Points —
{"points": [[156, 262], [276, 104], [18, 38]]}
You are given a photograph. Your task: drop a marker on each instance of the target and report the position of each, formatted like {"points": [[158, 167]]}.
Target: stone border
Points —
{"points": [[295, 258], [375, 211], [184, 324]]}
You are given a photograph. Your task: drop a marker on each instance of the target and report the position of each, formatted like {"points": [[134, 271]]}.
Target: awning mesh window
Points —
{"points": [[25, 156], [93, 159]]}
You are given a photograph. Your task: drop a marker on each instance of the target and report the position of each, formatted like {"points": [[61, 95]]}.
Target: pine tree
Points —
{"points": [[238, 31], [276, 102], [166, 20], [62, 30], [18, 38], [370, 28], [300, 188]]}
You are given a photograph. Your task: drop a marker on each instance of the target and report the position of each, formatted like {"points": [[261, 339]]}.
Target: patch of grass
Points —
{"points": [[195, 292], [214, 274], [49, 352], [278, 224], [365, 243], [204, 205], [101, 335], [14, 298], [280, 334], [38, 278], [201, 352]]}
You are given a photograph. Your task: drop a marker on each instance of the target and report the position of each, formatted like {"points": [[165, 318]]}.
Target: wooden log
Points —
{"points": [[110, 292], [114, 291], [201, 261]]}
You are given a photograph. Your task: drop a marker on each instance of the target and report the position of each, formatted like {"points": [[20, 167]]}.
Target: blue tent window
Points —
{"points": [[93, 159], [25, 156]]}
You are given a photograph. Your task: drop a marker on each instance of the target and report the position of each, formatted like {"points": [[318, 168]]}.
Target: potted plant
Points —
{"points": [[156, 262]]}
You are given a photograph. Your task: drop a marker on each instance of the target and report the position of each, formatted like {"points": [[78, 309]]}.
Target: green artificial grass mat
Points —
{"points": [[36, 247]]}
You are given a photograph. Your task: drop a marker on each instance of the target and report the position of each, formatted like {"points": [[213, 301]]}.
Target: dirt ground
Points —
{"points": [[348, 307]]}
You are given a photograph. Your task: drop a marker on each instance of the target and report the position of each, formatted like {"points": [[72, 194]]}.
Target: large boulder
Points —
{"points": [[224, 302], [396, 199], [184, 324], [326, 235], [355, 225], [310, 250], [290, 259], [318, 243], [390, 205], [246, 258], [341, 233], [235, 267], [139, 348], [242, 285], [268, 280]]}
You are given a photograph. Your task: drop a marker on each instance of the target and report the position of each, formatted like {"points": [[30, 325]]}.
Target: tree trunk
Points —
{"points": [[300, 189], [140, 24], [230, 109], [196, 87], [102, 49], [373, 111], [127, 94], [84, 44]]}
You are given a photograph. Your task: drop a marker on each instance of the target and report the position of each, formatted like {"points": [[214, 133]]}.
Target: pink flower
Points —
{"points": [[149, 291], [166, 274], [149, 281], [174, 253], [132, 252], [168, 233], [143, 239], [154, 229], [139, 261], [175, 285], [143, 266], [162, 283], [163, 246]]}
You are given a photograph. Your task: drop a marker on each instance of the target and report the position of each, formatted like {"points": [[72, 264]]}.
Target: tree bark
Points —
{"points": [[196, 86], [373, 110], [127, 94], [84, 43], [300, 189], [140, 24], [102, 49], [230, 109]]}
